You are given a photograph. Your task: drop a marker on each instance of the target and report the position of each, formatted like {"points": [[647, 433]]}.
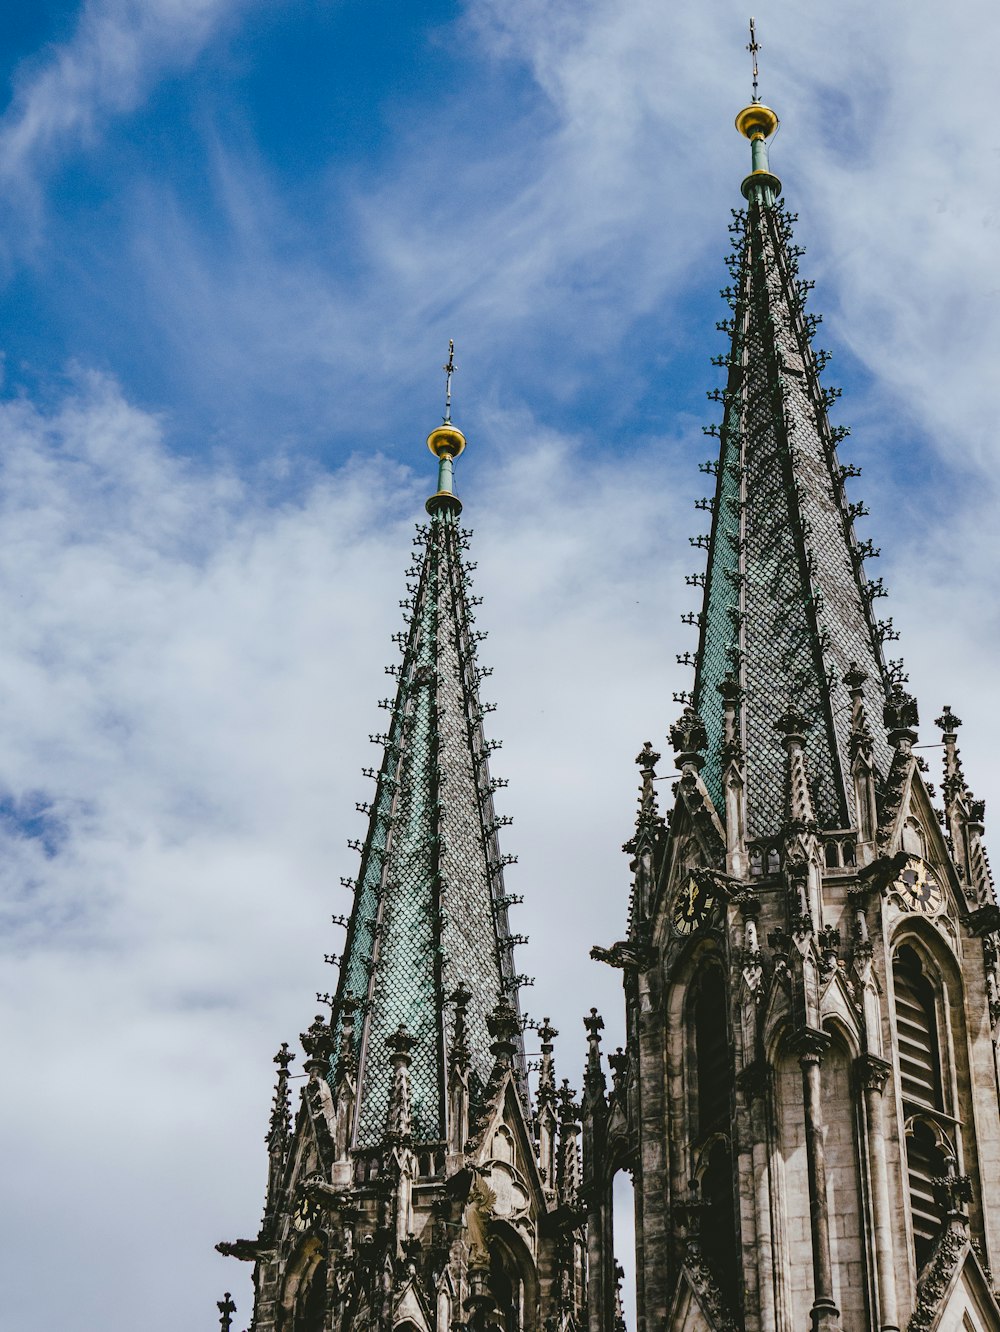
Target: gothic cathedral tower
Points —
{"points": [[808, 1101], [416, 1188]]}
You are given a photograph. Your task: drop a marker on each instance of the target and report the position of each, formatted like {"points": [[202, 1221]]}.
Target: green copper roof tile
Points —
{"points": [[785, 605], [425, 914]]}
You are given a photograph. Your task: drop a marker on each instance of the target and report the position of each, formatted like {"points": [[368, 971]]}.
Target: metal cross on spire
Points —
{"points": [[449, 370], [753, 48]]}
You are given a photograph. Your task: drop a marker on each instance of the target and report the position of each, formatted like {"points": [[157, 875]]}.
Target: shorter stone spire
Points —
{"points": [[280, 1124], [792, 725], [594, 1081], [964, 816], [546, 1094], [649, 830], [546, 1100], [278, 1138], [568, 1167], [689, 739], [399, 1126], [458, 1074]]}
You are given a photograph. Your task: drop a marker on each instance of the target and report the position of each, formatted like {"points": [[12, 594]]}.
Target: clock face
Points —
{"points": [[693, 906], [304, 1215], [920, 888]]}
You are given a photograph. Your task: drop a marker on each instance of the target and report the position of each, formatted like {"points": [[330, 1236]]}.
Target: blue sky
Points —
{"points": [[234, 241]]}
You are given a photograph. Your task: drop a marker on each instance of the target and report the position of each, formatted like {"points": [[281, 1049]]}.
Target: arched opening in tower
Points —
{"points": [[310, 1307], [513, 1281], [711, 1115]]}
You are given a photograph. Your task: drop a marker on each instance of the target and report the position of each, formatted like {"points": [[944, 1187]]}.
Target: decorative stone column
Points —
{"points": [[871, 1074], [810, 1045], [755, 1083]]}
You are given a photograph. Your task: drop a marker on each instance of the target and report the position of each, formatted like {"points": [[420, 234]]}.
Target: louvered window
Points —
{"points": [[925, 1163], [920, 1083], [916, 1025]]}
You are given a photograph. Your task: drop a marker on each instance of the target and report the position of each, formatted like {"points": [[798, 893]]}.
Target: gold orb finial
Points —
{"points": [[447, 441], [757, 121]]}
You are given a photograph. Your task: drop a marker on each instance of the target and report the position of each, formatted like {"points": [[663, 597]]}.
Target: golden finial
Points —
{"points": [[756, 121], [447, 441]]}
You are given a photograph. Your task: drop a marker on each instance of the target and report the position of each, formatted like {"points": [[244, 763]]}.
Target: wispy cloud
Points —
{"points": [[188, 644], [183, 672], [64, 95]]}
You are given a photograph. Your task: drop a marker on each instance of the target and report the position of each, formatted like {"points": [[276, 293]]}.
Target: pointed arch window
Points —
{"points": [[913, 838], [711, 1051]]}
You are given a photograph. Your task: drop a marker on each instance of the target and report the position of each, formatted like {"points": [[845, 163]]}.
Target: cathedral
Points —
{"points": [[807, 1102]]}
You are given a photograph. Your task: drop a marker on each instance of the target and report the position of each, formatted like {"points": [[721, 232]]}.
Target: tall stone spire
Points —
{"points": [[412, 1189], [787, 607], [804, 935], [429, 905]]}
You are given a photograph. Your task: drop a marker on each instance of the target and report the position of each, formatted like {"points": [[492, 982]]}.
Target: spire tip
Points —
{"points": [[756, 121], [447, 441]]}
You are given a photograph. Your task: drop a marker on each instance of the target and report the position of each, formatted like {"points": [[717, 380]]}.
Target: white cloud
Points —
{"points": [[190, 663], [63, 96], [189, 674]]}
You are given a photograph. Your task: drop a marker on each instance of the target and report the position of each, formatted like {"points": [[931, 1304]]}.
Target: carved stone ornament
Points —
{"points": [[900, 712], [809, 1043], [793, 723], [935, 1279], [754, 1080], [503, 1025], [872, 1072], [647, 758], [689, 737], [948, 722], [478, 1214], [318, 1040], [855, 677]]}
